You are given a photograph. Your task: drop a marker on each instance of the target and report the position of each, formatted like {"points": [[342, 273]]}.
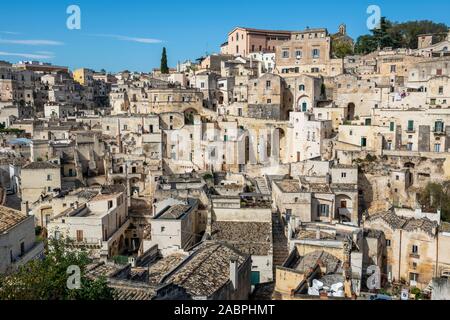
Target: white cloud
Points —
{"points": [[45, 52], [10, 32], [32, 42], [27, 55], [131, 39]]}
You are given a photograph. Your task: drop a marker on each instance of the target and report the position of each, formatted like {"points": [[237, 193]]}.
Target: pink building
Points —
{"points": [[243, 41]]}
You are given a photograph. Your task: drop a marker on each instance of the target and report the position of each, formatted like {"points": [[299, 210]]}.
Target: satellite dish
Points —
{"points": [[405, 295]]}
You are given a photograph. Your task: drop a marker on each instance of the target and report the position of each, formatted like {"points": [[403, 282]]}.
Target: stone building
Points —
{"points": [[99, 224], [18, 243], [243, 41], [248, 228], [416, 245], [38, 179]]}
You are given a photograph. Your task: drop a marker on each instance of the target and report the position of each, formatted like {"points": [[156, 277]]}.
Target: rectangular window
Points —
{"points": [[324, 210], [388, 243], [392, 126], [415, 249], [80, 236], [441, 90], [268, 84], [439, 126], [363, 142], [285, 54], [437, 147], [22, 249], [410, 125], [389, 145], [316, 53], [393, 68], [409, 146], [414, 277]]}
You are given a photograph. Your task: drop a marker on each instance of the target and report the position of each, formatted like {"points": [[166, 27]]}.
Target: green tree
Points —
{"points": [[410, 31], [46, 279], [384, 37], [164, 67], [399, 35], [365, 44], [341, 49], [436, 196]]}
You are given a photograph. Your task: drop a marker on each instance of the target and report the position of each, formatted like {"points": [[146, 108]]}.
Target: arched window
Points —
{"points": [[302, 87]]}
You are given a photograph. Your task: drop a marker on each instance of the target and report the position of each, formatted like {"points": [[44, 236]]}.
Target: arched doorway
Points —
{"points": [[303, 104], [344, 207], [279, 145]]}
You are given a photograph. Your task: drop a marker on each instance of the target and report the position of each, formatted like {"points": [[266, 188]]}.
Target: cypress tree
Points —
{"points": [[164, 67]]}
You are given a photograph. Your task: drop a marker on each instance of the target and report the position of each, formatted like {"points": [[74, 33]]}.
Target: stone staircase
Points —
{"points": [[262, 185], [280, 241]]}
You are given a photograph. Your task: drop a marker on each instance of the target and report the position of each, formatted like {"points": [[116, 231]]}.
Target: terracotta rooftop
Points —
{"points": [[127, 291], [207, 269], [96, 271], [9, 218], [311, 260], [254, 238], [40, 166], [174, 212], [408, 224], [158, 270]]}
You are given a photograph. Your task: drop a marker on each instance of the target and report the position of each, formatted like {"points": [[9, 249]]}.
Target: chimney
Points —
{"points": [[234, 273], [26, 208]]}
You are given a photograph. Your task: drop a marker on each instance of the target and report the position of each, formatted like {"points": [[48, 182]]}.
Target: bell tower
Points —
{"points": [[343, 29]]}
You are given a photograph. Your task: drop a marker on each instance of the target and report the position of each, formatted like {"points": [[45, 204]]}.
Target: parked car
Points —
{"points": [[380, 297]]}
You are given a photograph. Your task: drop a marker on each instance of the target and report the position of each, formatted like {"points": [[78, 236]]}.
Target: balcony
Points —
{"points": [[439, 132], [414, 256], [92, 243]]}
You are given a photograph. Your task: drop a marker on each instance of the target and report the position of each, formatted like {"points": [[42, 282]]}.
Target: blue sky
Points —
{"points": [[117, 35]]}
